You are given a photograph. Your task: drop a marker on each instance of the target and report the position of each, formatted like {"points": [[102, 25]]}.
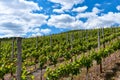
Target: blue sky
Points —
{"points": [[28, 18]]}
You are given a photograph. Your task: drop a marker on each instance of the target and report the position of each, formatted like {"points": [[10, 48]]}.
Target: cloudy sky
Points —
{"points": [[29, 18]]}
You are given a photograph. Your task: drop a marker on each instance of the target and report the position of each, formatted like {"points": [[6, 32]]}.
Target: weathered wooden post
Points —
{"points": [[98, 39], [72, 38], [66, 37], [51, 41], [116, 29], [86, 35], [12, 54], [99, 49], [37, 43], [103, 36], [0, 46], [19, 58]]}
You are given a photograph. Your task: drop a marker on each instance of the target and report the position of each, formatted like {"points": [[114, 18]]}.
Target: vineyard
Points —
{"points": [[72, 55]]}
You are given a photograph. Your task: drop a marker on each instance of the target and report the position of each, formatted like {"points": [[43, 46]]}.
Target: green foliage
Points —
{"points": [[60, 49], [42, 61], [86, 61]]}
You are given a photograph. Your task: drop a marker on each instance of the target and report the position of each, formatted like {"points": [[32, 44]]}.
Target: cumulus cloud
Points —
{"points": [[40, 32], [64, 21], [118, 7], [58, 11], [17, 17], [80, 9], [66, 4], [45, 31], [92, 14], [96, 10], [110, 18], [93, 20], [105, 20]]}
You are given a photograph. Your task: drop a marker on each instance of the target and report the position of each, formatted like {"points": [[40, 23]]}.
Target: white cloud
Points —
{"points": [[35, 34], [92, 20], [97, 5], [39, 32], [92, 14], [66, 4], [17, 17], [96, 10], [58, 10], [56, 5], [118, 7], [64, 21], [105, 20], [80, 9], [45, 31], [110, 18]]}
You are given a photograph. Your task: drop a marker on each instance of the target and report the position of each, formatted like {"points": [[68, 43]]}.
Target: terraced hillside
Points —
{"points": [[70, 55]]}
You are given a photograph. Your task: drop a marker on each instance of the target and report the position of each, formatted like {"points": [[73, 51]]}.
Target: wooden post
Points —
{"points": [[0, 45], [72, 38], [66, 37], [12, 55], [86, 35], [41, 74], [51, 41], [103, 45], [87, 74], [37, 43], [103, 36], [80, 35], [116, 29], [98, 39], [99, 48], [19, 58]]}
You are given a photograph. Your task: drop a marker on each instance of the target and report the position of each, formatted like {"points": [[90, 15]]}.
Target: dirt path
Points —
{"points": [[114, 72]]}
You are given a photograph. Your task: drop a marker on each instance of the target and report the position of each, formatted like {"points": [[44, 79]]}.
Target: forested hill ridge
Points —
{"points": [[43, 51]]}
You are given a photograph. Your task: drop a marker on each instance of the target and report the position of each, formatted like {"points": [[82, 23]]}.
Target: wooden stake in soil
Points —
{"points": [[0, 45], [103, 36], [99, 48], [51, 41], [98, 39], [12, 55], [19, 58], [103, 45], [41, 74], [86, 35], [36, 59], [66, 37], [37, 43], [72, 38], [87, 74]]}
